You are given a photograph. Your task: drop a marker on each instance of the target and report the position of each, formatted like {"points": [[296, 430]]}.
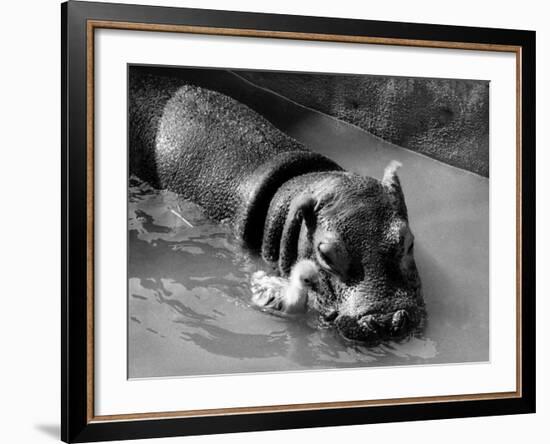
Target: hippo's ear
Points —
{"points": [[390, 179], [393, 185], [304, 206]]}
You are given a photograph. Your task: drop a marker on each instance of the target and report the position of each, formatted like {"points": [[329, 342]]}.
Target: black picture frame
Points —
{"points": [[77, 425]]}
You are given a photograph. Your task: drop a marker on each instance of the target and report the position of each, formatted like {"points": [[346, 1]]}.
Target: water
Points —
{"points": [[189, 310]]}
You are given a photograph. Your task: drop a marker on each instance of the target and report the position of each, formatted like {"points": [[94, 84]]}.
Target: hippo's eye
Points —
{"points": [[326, 258], [408, 244], [333, 257]]}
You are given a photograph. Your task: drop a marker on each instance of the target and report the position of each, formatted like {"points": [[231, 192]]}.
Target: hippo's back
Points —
{"points": [[209, 147]]}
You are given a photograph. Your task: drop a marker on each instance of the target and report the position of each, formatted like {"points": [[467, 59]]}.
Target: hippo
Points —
{"points": [[283, 202]]}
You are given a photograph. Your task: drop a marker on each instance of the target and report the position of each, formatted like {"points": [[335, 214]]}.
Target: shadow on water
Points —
{"points": [[189, 297], [224, 342], [183, 310]]}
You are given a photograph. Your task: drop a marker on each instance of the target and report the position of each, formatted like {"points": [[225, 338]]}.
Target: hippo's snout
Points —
{"points": [[356, 230], [373, 328]]}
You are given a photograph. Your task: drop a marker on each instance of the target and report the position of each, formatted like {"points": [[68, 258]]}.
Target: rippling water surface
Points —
{"points": [[189, 310]]}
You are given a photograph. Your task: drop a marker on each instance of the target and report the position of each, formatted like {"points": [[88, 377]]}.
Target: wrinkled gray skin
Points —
{"points": [[283, 201]]}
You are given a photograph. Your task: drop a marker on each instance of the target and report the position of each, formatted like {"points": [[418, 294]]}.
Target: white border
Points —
{"points": [[116, 395]]}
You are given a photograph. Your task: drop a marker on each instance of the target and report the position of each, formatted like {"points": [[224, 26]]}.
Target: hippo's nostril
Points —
{"points": [[399, 322], [330, 315], [365, 329], [369, 323]]}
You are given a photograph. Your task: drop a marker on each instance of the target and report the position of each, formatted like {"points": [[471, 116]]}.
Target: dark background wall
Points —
{"points": [[441, 118], [445, 119]]}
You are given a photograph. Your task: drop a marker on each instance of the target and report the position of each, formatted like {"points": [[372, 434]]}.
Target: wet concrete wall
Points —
{"points": [[445, 119]]}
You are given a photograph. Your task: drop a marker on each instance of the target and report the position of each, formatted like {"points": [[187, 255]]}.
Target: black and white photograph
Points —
{"points": [[286, 221], [276, 222]]}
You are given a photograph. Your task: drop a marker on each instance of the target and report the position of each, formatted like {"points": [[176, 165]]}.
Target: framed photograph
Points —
{"points": [[276, 221]]}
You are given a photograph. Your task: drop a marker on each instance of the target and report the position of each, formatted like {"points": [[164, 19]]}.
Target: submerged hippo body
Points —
{"points": [[283, 201]]}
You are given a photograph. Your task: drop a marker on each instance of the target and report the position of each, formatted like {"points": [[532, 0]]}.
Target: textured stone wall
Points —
{"points": [[441, 118]]}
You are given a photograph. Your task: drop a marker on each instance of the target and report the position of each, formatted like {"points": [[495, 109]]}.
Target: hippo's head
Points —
{"points": [[356, 229]]}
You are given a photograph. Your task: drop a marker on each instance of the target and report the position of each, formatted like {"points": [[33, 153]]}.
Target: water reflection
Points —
{"points": [[221, 341]]}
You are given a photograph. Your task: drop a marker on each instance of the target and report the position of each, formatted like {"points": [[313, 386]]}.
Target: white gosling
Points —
{"points": [[289, 296]]}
